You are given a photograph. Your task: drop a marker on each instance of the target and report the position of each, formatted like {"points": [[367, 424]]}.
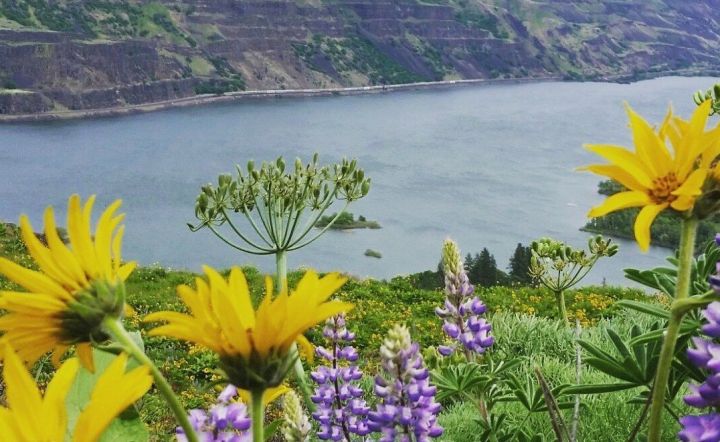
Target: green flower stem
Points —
{"points": [[116, 329], [300, 375], [258, 416], [560, 297], [667, 354], [281, 266]]}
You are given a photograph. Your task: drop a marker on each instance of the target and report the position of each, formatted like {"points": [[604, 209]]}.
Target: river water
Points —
{"points": [[489, 166]]}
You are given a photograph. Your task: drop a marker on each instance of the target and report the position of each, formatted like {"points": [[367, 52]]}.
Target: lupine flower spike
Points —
{"points": [[296, 426], [705, 354], [341, 411], [228, 419], [461, 311], [407, 410]]}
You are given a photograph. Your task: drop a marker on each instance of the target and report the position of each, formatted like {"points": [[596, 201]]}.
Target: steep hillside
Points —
{"points": [[87, 54]]}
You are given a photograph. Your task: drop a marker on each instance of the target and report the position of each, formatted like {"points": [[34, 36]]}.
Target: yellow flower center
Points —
{"points": [[663, 188]]}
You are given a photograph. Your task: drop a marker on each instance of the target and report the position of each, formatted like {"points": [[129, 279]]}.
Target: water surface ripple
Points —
{"points": [[490, 166]]}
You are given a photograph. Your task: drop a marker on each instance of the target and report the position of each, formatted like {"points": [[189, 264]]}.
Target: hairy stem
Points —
{"points": [[117, 331], [682, 289], [300, 375], [258, 416]]}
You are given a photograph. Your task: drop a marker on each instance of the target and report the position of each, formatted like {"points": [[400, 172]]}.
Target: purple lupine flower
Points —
{"points": [[705, 354], [341, 410], [226, 421], [712, 315], [705, 428], [461, 310], [407, 410]]}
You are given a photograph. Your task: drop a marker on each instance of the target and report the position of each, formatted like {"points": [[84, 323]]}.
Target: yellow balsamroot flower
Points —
{"points": [[253, 345], [74, 289], [673, 129], [655, 178], [30, 417]]}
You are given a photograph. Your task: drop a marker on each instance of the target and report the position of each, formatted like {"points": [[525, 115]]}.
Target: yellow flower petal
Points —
{"points": [[306, 348], [85, 354], [626, 160], [649, 146], [619, 201], [693, 184], [616, 173], [114, 391], [643, 222]]}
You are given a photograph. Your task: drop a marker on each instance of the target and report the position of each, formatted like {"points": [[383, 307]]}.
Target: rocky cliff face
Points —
{"points": [[86, 54]]}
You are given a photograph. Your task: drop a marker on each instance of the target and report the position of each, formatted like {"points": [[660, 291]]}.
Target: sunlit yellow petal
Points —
{"points": [[79, 235], [619, 201], [693, 184], [23, 396], [626, 160], [63, 257], [85, 354], [306, 348], [114, 391], [617, 174], [103, 238], [43, 256], [643, 222], [54, 410], [31, 280], [269, 396], [649, 146]]}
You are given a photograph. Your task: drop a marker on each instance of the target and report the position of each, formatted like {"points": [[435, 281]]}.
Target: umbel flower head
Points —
{"points": [[75, 288], [655, 178], [253, 345], [30, 417]]}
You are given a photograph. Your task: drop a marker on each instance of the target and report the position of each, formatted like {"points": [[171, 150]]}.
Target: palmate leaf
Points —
{"points": [[530, 396], [455, 382], [664, 278], [633, 363], [688, 326]]}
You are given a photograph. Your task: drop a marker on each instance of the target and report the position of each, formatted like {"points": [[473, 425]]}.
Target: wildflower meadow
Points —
{"points": [[95, 348]]}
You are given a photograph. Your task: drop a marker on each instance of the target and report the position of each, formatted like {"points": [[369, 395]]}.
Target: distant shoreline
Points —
{"points": [[200, 100]]}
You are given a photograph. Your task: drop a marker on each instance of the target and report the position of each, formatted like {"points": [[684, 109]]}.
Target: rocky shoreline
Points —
{"points": [[209, 99], [206, 99]]}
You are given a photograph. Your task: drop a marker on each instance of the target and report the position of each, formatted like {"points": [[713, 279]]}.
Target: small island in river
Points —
{"points": [[346, 221]]}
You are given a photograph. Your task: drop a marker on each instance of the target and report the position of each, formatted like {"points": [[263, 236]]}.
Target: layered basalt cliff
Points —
{"points": [[88, 54]]}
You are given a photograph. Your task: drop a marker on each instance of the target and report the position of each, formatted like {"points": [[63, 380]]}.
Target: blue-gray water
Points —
{"points": [[490, 166]]}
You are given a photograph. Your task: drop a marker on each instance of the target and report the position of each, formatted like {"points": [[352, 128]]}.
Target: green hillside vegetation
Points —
{"points": [[523, 320], [329, 44]]}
